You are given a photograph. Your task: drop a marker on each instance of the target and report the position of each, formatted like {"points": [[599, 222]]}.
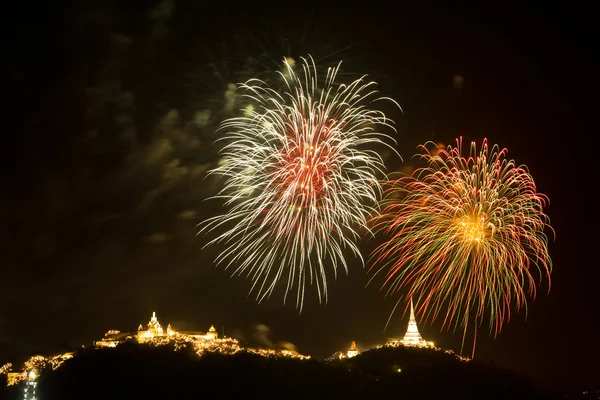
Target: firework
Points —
{"points": [[300, 178], [463, 235]]}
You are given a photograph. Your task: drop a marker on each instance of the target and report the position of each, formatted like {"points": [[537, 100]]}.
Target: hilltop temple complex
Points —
{"points": [[154, 335], [154, 332]]}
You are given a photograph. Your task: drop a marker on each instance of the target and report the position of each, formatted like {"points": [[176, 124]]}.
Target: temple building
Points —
{"points": [[341, 355], [352, 351], [154, 332], [412, 337], [154, 328], [210, 335]]}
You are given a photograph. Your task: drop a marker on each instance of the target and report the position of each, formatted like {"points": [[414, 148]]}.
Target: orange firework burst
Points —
{"points": [[463, 236]]}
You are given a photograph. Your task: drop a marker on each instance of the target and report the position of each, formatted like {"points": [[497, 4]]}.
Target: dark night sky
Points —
{"points": [[105, 152]]}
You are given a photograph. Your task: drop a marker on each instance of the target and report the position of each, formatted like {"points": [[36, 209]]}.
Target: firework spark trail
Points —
{"points": [[299, 179], [463, 236]]}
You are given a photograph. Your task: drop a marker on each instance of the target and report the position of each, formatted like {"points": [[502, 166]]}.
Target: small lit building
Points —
{"points": [[342, 355], [352, 351], [29, 393], [112, 338], [212, 333], [199, 335]]}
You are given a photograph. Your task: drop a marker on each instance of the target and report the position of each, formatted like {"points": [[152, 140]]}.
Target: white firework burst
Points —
{"points": [[300, 171]]}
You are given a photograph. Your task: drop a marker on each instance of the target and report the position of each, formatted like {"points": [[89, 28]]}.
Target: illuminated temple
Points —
{"points": [[341, 355], [154, 333], [155, 329], [352, 351], [412, 337]]}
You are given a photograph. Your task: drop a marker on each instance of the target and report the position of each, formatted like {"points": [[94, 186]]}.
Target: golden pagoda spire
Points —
{"points": [[352, 351]]}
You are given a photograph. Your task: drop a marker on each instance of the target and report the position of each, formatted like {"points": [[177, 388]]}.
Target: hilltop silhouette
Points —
{"points": [[143, 371]]}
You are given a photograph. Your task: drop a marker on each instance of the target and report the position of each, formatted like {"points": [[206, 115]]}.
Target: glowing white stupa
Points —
{"points": [[412, 337]]}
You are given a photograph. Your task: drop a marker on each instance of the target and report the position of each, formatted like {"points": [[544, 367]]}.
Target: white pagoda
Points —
{"points": [[352, 351], [412, 337]]}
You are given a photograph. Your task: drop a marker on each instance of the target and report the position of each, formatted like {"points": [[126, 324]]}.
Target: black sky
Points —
{"points": [[108, 129]]}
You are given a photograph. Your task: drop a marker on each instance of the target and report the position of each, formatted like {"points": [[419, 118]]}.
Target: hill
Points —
{"points": [[141, 371]]}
